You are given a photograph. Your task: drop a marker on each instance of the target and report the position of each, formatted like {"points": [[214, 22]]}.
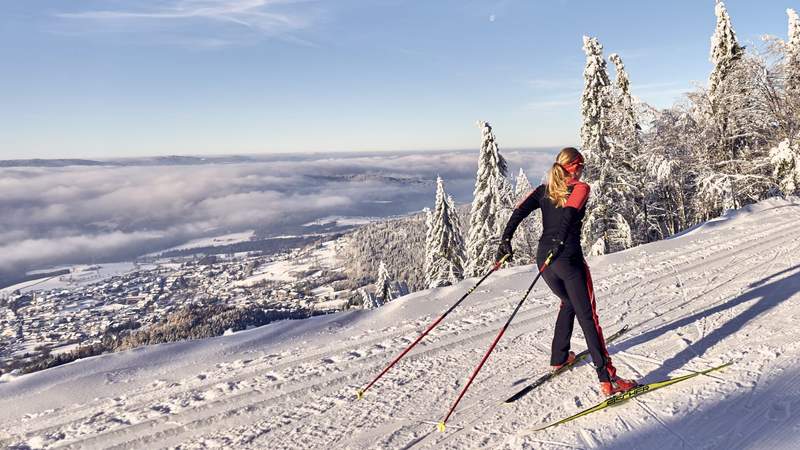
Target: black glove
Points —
{"points": [[503, 250]]}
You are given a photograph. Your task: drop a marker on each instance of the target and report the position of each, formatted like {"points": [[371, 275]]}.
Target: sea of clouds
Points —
{"points": [[52, 216]]}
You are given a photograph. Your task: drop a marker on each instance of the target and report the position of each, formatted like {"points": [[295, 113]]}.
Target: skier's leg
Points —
{"points": [[565, 319], [563, 334], [578, 283]]}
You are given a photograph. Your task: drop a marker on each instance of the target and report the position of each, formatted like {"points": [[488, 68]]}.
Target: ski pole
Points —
{"points": [[360, 392], [441, 424]]}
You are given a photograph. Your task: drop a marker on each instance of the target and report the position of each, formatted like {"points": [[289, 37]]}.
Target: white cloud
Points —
{"points": [[204, 23], [29, 252], [54, 216]]}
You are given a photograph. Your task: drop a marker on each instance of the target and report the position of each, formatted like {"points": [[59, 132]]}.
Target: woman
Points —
{"points": [[563, 204]]}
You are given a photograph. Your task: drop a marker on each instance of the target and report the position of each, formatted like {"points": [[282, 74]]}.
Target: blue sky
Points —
{"points": [[149, 77]]}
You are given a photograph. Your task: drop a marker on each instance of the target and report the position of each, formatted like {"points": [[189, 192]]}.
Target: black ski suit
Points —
{"points": [[568, 274]]}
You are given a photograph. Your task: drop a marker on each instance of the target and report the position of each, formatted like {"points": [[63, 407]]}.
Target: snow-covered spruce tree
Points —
{"points": [[445, 257], [595, 106], [526, 238], [624, 126], [725, 50], [724, 54], [426, 267], [606, 229], [786, 161], [626, 146], [736, 123], [491, 205], [792, 63], [368, 300], [521, 184], [383, 291], [791, 75]]}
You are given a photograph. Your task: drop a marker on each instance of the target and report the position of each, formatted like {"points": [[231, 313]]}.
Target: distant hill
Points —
{"points": [[124, 162], [50, 162]]}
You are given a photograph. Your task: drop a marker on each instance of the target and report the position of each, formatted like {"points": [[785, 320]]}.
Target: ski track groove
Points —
{"points": [[652, 414], [244, 375], [250, 407]]}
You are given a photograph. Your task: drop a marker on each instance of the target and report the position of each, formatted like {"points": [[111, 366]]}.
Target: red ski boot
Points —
{"points": [[570, 360], [616, 386]]}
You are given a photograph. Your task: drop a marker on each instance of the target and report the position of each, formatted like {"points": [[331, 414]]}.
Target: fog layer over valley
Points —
{"points": [[82, 212]]}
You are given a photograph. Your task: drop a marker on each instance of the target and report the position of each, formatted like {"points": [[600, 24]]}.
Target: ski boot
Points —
{"points": [[570, 360], [616, 386]]}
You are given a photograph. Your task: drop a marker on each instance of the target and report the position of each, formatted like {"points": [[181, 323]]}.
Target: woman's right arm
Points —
{"points": [[523, 208]]}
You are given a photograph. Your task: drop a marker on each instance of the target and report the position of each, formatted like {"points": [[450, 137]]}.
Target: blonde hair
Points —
{"points": [[557, 176]]}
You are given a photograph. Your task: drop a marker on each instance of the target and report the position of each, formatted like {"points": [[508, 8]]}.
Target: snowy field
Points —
{"points": [[80, 275], [226, 239], [287, 269], [726, 291], [340, 221]]}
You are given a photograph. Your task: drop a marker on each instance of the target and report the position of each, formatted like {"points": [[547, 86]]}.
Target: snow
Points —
{"points": [[275, 271], [80, 275], [727, 291], [226, 239], [342, 221], [286, 270]]}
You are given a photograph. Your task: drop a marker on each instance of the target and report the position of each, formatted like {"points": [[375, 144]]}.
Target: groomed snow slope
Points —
{"points": [[724, 291]]}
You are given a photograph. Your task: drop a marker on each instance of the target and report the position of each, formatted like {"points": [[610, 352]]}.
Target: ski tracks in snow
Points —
{"points": [[302, 395]]}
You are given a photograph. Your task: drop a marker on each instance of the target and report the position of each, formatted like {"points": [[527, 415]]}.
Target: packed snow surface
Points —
{"points": [[727, 291]]}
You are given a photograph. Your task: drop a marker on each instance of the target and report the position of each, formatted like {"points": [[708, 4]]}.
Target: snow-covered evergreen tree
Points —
{"points": [[607, 159], [792, 64], [597, 221], [428, 242], [383, 287], [620, 235], [522, 185], [626, 147], [368, 300], [606, 228], [445, 253], [624, 126], [526, 238], [595, 105], [725, 50], [735, 119], [724, 147], [623, 98], [491, 205], [786, 161]]}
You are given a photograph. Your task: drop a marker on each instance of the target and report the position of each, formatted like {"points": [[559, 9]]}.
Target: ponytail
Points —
{"points": [[558, 175], [557, 185]]}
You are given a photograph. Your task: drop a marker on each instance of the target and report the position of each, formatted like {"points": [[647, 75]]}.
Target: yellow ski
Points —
{"points": [[635, 392]]}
